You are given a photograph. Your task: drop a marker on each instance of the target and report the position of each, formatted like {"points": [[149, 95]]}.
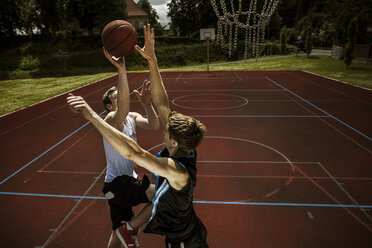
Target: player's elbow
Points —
{"points": [[135, 155]]}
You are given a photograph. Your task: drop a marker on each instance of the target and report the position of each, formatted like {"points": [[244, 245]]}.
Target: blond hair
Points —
{"points": [[187, 131]]}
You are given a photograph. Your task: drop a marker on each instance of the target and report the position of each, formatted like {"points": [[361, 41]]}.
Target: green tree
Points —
{"points": [[272, 31], [309, 41], [158, 29], [50, 14], [283, 40], [184, 16], [146, 6], [96, 13], [10, 17], [29, 16], [349, 49], [206, 16]]}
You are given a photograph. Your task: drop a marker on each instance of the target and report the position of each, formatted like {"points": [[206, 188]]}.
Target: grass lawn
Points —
{"points": [[19, 93], [16, 94], [357, 74]]}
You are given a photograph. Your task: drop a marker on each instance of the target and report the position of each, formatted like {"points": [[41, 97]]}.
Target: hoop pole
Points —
{"points": [[207, 54]]}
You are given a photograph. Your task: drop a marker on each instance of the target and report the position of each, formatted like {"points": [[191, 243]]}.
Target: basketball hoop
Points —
{"points": [[229, 23], [207, 34]]}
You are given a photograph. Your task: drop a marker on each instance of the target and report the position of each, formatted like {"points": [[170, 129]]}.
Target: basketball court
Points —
{"points": [[285, 163]]}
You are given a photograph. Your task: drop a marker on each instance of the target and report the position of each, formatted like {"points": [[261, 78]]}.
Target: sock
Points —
{"points": [[129, 227]]}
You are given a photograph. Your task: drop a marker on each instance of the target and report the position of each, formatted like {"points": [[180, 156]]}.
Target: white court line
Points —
{"points": [[45, 114], [238, 90], [213, 78], [64, 151], [179, 77], [255, 162], [54, 231], [40, 116], [52, 147], [344, 190], [236, 74], [313, 105], [242, 99], [285, 177], [334, 90]]}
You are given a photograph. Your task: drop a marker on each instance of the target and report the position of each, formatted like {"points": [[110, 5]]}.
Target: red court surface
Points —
{"points": [[286, 162]]}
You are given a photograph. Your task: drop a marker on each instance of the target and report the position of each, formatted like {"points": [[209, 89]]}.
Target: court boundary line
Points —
{"points": [[51, 98], [262, 116], [55, 145], [344, 190], [43, 153], [313, 105], [57, 96], [54, 232], [200, 201], [331, 79], [58, 143], [238, 90]]}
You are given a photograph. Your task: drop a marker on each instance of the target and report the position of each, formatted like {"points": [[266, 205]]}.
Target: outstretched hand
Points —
{"points": [[78, 105], [145, 96], [148, 51], [119, 63]]}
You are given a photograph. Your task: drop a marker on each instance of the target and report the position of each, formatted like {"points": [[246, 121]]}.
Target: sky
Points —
{"points": [[162, 9]]}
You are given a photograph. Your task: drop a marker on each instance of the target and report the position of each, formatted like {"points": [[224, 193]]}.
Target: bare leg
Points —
{"points": [[142, 217], [114, 241], [139, 220], [150, 192]]}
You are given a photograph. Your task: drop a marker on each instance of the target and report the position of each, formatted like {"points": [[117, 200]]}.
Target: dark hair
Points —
{"points": [[187, 131], [106, 97]]}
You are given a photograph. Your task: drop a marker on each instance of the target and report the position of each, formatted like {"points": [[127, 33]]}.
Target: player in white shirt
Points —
{"points": [[122, 188]]}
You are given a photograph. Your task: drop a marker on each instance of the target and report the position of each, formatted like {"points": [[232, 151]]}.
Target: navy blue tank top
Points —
{"points": [[173, 211]]}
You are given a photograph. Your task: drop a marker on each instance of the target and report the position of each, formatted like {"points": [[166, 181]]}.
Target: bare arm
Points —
{"points": [[159, 95], [123, 104], [152, 120], [128, 148]]}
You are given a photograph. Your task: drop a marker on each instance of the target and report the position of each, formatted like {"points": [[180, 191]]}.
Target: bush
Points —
{"points": [[29, 63], [348, 54], [309, 41], [38, 57], [351, 40], [283, 40], [63, 34]]}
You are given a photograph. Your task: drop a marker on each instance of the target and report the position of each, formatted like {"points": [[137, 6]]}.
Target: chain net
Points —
{"points": [[252, 21]]}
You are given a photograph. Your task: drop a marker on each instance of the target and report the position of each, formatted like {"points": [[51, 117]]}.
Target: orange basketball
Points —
{"points": [[119, 38]]}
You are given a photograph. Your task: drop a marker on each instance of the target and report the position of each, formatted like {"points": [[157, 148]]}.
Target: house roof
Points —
{"points": [[134, 10]]}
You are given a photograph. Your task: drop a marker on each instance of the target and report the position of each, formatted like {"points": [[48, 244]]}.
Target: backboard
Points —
{"points": [[207, 34]]}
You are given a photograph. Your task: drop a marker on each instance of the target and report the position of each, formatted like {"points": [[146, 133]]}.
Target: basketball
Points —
{"points": [[119, 38]]}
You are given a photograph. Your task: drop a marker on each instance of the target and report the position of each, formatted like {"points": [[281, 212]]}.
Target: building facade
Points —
{"points": [[136, 16]]}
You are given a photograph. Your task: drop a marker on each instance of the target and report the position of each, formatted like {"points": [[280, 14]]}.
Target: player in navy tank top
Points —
{"points": [[172, 212]]}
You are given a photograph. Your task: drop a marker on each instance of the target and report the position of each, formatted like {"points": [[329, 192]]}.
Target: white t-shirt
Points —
{"points": [[116, 164]]}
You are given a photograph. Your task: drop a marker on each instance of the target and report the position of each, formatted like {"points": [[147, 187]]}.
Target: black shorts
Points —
{"points": [[123, 193], [197, 240]]}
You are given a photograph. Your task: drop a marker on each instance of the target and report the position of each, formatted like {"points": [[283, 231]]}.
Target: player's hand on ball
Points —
{"points": [[119, 63]]}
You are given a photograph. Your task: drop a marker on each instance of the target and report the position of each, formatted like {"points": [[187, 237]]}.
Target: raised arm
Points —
{"points": [[116, 117], [126, 147], [159, 95], [152, 120]]}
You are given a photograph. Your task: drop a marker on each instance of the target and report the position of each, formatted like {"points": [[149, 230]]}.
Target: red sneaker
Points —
{"points": [[128, 236]]}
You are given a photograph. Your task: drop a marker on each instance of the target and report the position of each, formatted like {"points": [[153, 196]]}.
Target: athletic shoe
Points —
{"points": [[128, 236]]}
